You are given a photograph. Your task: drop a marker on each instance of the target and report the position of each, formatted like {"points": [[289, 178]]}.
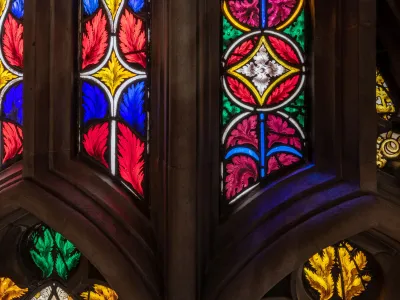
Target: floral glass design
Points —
{"points": [[384, 104], [343, 272], [39, 263], [263, 99], [11, 85], [51, 253], [388, 141], [114, 88], [53, 291]]}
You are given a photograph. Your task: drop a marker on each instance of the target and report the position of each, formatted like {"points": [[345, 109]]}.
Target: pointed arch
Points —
{"points": [[90, 235]]}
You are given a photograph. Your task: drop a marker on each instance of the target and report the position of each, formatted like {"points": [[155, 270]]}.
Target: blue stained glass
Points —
{"points": [[17, 8], [132, 107], [13, 104], [90, 6], [136, 5], [95, 104]]}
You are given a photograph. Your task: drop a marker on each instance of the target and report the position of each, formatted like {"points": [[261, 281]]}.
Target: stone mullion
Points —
{"points": [[37, 63]]}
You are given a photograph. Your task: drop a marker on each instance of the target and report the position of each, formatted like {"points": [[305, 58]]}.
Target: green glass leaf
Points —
{"points": [[297, 110], [67, 256], [53, 252], [229, 110], [41, 253], [296, 30], [229, 33]]}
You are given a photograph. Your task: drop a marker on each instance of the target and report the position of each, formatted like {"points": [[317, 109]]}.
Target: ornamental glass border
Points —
{"points": [[264, 113]]}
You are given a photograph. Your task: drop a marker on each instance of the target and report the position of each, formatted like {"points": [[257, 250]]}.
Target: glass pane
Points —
{"points": [[263, 92], [114, 89], [11, 85]]}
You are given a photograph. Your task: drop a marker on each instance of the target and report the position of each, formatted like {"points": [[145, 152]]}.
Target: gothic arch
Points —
{"points": [[90, 235], [275, 260]]}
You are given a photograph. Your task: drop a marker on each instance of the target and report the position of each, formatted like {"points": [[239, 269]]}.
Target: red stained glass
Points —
{"points": [[114, 89], [263, 82]]}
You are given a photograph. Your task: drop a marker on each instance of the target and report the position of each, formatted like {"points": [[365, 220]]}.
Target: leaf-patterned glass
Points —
{"points": [[11, 290], [341, 271], [114, 89], [52, 253], [263, 92], [52, 291], [11, 86]]}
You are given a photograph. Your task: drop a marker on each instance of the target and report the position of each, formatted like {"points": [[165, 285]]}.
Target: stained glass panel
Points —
{"points": [[384, 104], [50, 253], [263, 100], [114, 89], [9, 288], [342, 271], [52, 291], [11, 86], [388, 141]]}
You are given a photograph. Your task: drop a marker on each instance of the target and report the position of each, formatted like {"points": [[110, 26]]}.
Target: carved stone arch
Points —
{"points": [[89, 235], [277, 254], [274, 261]]}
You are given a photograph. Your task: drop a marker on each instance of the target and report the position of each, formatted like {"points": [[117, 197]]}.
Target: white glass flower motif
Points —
{"points": [[44, 294], [261, 69], [62, 294]]}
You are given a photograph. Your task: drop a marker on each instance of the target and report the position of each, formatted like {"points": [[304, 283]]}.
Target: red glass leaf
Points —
{"points": [[284, 50], [284, 159], [130, 157], [279, 11], [94, 42], [241, 51], [240, 91], [239, 172], [244, 133], [95, 142], [287, 159], [280, 132], [12, 139], [13, 44], [273, 165], [283, 90], [275, 138], [133, 39], [245, 11]]}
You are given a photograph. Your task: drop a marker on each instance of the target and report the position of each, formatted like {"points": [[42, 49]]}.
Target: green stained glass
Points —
{"points": [[229, 33], [229, 110], [67, 257], [42, 253], [297, 109], [52, 252], [296, 30]]}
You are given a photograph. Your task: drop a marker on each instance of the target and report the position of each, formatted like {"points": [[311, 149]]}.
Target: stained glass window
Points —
{"points": [[114, 88], [342, 271], [51, 253], [11, 86], [53, 291], [388, 141], [50, 265], [263, 92]]}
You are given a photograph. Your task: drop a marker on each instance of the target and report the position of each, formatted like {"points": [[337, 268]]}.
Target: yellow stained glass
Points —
{"points": [[114, 74], [9, 290], [384, 104], [352, 279], [388, 148], [100, 292]]}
